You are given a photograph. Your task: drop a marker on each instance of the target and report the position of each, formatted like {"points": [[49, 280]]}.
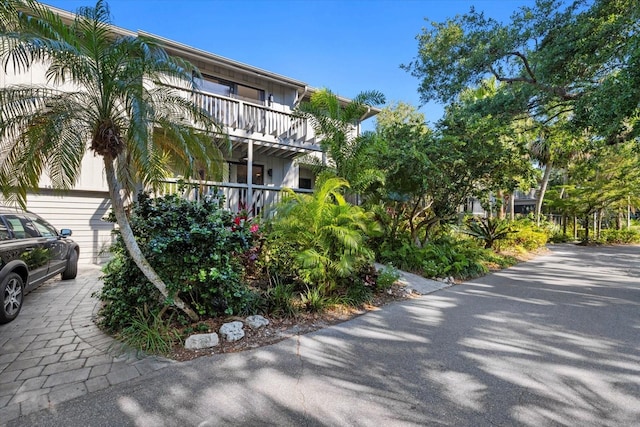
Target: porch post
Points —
{"points": [[250, 176]]}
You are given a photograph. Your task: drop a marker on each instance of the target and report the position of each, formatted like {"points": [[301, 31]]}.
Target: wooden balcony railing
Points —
{"points": [[242, 118]]}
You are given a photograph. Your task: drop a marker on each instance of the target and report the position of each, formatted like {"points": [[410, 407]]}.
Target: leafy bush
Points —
{"points": [[624, 236], [320, 240], [193, 246], [387, 277], [524, 234], [444, 256], [447, 256], [403, 254]]}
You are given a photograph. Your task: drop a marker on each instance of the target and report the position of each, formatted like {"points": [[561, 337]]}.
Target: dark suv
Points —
{"points": [[31, 252]]}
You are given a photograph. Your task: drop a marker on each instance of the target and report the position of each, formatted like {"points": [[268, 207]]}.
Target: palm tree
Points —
{"points": [[556, 146], [336, 122], [329, 233], [114, 99]]}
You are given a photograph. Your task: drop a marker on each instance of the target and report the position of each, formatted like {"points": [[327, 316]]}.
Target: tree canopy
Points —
{"points": [[558, 56]]}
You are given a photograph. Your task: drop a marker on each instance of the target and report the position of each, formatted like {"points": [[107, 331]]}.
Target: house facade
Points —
{"points": [[255, 108]]}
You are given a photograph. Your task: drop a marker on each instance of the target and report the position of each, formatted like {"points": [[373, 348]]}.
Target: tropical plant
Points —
{"points": [[115, 92], [325, 237], [488, 230], [336, 123]]}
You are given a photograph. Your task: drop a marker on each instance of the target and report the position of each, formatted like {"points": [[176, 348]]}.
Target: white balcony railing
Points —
{"points": [[234, 196], [244, 119]]}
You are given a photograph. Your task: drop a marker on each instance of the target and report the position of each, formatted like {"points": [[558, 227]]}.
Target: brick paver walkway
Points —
{"points": [[54, 352]]}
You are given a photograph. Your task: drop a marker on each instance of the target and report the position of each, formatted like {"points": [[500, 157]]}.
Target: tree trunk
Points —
{"points": [[132, 246], [587, 220], [543, 189]]}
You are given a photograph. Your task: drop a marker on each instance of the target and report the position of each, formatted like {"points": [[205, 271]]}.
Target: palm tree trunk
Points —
{"points": [[543, 189], [132, 246]]}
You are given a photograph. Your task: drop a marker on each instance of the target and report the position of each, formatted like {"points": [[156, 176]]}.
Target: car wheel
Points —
{"points": [[11, 295], [72, 266]]}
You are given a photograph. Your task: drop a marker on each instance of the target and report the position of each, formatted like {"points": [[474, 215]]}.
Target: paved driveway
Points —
{"points": [[53, 351], [551, 342]]}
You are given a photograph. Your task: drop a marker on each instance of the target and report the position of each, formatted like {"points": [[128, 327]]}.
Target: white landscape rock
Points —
{"points": [[256, 322], [200, 341], [232, 331]]}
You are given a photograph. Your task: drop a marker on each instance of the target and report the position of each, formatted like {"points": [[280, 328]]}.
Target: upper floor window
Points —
{"points": [[223, 87]]}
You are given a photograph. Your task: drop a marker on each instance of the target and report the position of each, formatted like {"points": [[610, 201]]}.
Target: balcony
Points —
{"points": [[264, 125]]}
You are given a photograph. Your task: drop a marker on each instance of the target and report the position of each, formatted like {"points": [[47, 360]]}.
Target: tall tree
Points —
{"points": [[500, 140], [581, 56], [553, 146], [104, 89]]}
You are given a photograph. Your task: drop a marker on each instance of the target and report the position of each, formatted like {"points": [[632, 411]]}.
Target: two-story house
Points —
{"points": [[254, 106]]}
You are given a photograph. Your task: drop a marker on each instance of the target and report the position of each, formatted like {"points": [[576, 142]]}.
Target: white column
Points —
{"points": [[250, 175]]}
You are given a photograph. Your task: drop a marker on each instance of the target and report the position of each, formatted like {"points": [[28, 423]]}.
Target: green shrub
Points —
{"points": [[560, 237], [624, 236], [280, 299], [387, 277], [403, 254], [194, 247], [149, 333], [444, 256], [524, 234], [447, 256]]}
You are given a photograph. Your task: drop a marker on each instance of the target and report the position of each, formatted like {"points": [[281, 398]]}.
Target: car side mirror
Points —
{"points": [[65, 232]]}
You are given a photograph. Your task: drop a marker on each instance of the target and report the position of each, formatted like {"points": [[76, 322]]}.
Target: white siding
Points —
{"points": [[82, 212]]}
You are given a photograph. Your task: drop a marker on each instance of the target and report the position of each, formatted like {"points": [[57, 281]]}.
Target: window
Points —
{"points": [[45, 229], [22, 228], [223, 87], [304, 183], [257, 176], [4, 231]]}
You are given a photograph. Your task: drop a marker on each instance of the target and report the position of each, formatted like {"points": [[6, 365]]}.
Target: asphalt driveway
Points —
{"points": [[551, 342]]}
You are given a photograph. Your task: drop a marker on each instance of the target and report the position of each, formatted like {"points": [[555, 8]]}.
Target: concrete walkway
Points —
{"points": [[53, 351]]}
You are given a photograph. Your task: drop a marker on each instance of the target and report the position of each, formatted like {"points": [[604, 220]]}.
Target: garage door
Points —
{"points": [[83, 213]]}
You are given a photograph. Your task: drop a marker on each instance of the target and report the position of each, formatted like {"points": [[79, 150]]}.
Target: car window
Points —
{"points": [[21, 226], [45, 229], [4, 231]]}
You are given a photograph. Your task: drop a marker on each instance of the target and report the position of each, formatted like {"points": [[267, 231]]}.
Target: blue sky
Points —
{"points": [[347, 46]]}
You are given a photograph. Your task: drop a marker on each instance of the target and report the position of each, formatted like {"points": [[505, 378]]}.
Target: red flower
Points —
{"points": [[254, 228]]}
